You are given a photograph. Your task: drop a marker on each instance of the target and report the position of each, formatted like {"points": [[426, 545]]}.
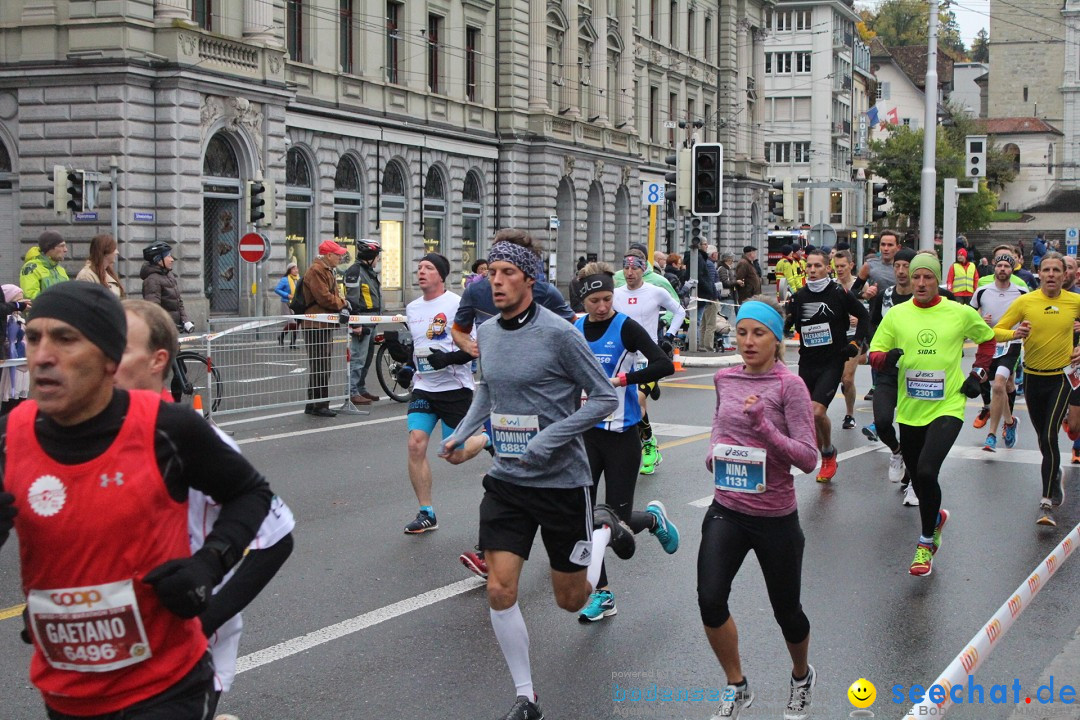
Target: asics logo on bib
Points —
{"points": [[78, 597], [927, 337], [917, 374], [736, 452]]}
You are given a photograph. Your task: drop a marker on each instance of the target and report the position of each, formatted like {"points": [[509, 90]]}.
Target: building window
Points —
{"points": [[472, 62], [906, 122], [1025, 93], [298, 204], [673, 29], [710, 122], [348, 203], [434, 211], [780, 153], [612, 92], [434, 52], [708, 40], [803, 19], [690, 18], [294, 24], [393, 37], [202, 12], [836, 208], [801, 152], [781, 63], [392, 209], [783, 21], [654, 18], [654, 114], [345, 36], [1012, 153], [672, 109], [802, 62], [768, 19], [768, 63], [1049, 160], [691, 108], [471, 222]]}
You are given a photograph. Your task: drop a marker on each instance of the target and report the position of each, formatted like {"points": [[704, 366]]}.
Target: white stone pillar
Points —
{"points": [[599, 63], [172, 10], [258, 22], [540, 74]]}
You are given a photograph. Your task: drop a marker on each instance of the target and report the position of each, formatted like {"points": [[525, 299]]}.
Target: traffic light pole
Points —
{"points": [[951, 201], [692, 333]]}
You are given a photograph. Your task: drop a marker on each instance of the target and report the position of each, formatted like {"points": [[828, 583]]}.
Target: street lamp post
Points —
{"points": [[928, 189]]}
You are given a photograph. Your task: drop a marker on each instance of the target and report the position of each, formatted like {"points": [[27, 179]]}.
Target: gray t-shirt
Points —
{"points": [[540, 369], [882, 275]]}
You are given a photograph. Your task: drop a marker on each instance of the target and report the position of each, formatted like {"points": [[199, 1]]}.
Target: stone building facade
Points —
{"points": [[1027, 58], [428, 125]]}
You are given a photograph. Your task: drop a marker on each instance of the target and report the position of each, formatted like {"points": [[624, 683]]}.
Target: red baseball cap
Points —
{"points": [[328, 247]]}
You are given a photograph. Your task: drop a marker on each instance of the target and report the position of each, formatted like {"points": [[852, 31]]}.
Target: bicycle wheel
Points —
{"points": [[200, 372], [386, 369]]}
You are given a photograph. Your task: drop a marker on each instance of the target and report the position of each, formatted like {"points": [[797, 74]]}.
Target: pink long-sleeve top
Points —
{"points": [[782, 422]]}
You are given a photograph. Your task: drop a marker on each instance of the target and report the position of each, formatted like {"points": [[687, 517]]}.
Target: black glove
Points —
{"points": [[668, 346], [891, 358], [7, 515], [440, 359], [405, 375], [972, 386], [184, 586], [850, 350], [399, 351]]}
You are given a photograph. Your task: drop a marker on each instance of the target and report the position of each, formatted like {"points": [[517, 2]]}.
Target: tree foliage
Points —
{"points": [[980, 47], [906, 22]]}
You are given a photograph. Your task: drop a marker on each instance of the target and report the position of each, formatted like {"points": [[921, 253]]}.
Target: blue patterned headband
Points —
{"points": [[522, 257]]}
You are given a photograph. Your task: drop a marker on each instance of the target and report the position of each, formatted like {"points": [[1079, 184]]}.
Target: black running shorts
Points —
{"points": [[450, 406], [822, 379], [510, 515], [1008, 360]]}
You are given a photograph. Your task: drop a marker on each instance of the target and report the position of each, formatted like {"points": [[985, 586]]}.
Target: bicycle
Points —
{"points": [[386, 369], [191, 374]]}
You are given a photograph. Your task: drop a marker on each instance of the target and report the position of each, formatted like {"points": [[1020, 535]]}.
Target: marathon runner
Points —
{"points": [[877, 274], [992, 301], [763, 413], [97, 466], [644, 304], [842, 265], [151, 346], [1046, 318], [534, 367], [1072, 268], [438, 393], [924, 341], [820, 313], [614, 451]]}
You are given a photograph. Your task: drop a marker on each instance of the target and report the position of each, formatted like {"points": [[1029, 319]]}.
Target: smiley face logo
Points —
{"points": [[862, 693]]}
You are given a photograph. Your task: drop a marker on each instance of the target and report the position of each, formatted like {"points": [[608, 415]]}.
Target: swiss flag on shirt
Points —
{"points": [[631, 301]]}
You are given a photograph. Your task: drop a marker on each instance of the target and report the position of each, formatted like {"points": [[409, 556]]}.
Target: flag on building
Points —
{"points": [[893, 117], [872, 115]]}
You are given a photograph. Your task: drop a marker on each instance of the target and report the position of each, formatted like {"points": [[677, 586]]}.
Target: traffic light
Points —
{"points": [[782, 201], [707, 179], [76, 191], [975, 165], [680, 179], [876, 198], [60, 190], [255, 201], [695, 232]]}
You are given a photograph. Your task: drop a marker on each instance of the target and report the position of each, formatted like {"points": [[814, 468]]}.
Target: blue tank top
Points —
{"points": [[614, 358]]}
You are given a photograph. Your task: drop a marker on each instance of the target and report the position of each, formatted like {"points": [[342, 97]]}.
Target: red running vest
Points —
{"points": [[88, 534]]}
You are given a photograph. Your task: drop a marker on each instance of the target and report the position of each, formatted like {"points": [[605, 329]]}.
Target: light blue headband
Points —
{"points": [[764, 314]]}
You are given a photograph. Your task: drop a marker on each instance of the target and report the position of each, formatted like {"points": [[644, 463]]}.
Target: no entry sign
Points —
{"points": [[254, 247]]}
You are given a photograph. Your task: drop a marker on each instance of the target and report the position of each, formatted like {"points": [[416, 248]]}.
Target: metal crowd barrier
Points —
{"points": [[268, 362]]}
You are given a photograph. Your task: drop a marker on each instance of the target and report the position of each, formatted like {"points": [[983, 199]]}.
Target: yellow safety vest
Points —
{"points": [[964, 278]]}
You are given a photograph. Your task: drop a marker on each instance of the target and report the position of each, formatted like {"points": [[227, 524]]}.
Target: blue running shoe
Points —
{"points": [[870, 431], [991, 443], [601, 605], [665, 530], [1009, 433]]}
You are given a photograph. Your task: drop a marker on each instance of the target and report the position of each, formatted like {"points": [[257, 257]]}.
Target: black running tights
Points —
{"points": [[925, 448], [885, 409], [616, 456], [1047, 403]]}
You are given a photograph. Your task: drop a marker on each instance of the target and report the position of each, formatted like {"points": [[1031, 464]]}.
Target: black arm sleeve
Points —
{"points": [[856, 308], [857, 286], [791, 315], [191, 455], [636, 339], [254, 573], [875, 309], [440, 359]]}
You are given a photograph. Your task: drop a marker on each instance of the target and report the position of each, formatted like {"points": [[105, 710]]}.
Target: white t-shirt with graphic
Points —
{"points": [[429, 324]]}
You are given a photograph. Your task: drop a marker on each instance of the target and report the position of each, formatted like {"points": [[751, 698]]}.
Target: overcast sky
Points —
{"points": [[971, 14]]}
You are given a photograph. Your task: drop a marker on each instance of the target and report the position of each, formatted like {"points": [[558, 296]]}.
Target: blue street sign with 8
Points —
{"points": [[653, 193]]}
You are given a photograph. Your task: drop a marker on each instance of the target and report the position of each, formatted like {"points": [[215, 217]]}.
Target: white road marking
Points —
{"points": [[679, 430], [348, 627], [313, 431]]}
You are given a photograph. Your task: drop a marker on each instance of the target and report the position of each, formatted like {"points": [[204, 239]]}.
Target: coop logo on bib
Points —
{"points": [[47, 495]]}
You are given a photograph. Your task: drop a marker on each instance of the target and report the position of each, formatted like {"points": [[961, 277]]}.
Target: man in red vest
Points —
{"points": [[97, 493]]}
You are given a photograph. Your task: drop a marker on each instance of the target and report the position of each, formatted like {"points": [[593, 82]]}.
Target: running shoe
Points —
{"points": [[922, 564], [422, 524], [1057, 489], [982, 417], [896, 467], [601, 605], [665, 530], [942, 518], [733, 701], [870, 431], [475, 562], [828, 467], [1008, 433], [1046, 515], [910, 498], [849, 422], [525, 709], [622, 538], [1076, 456], [1020, 388], [650, 457], [801, 696], [869, 396], [991, 443]]}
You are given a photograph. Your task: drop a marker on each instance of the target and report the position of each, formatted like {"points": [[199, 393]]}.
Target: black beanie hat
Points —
{"points": [[440, 262], [48, 240], [90, 309]]}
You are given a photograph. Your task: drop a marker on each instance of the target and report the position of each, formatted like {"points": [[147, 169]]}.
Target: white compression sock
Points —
{"points": [[513, 638], [600, 539]]}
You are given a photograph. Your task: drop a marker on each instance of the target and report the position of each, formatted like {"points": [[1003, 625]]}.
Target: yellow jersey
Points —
{"points": [[1048, 348]]}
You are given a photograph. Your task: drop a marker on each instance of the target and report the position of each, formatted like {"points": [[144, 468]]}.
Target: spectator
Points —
{"points": [[963, 278], [725, 282], [659, 261], [1038, 249], [984, 267], [363, 290], [673, 273], [747, 277], [479, 272], [285, 290], [42, 268], [706, 290], [14, 381], [321, 296], [100, 267], [160, 284]]}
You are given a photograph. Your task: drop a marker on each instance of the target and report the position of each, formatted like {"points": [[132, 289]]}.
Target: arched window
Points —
{"points": [[393, 182], [472, 210], [348, 205], [392, 209], [10, 256], [5, 168], [1012, 151], [298, 203], [434, 211], [223, 224], [220, 160]]}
